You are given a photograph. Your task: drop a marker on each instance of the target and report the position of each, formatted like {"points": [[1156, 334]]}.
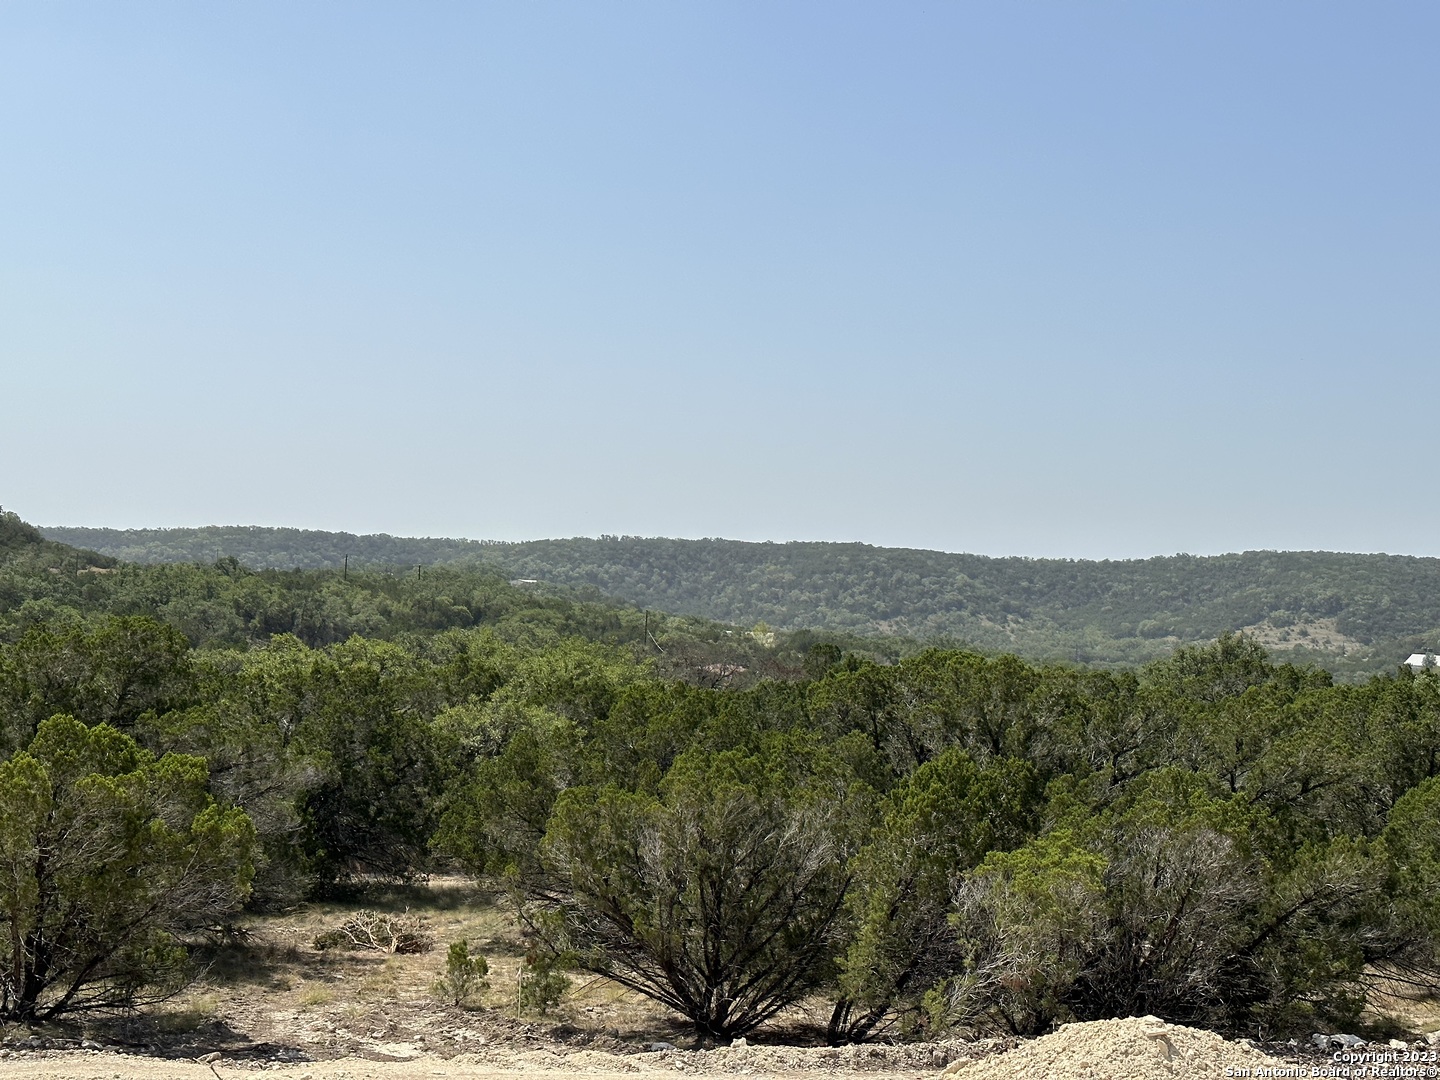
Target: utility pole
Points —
{"points": [[345, 574]]}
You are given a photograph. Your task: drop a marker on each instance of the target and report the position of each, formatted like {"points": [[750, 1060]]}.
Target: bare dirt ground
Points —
{"points": [[594, 1065], [1133, 1049], [272, 1002], [1314, 633]]}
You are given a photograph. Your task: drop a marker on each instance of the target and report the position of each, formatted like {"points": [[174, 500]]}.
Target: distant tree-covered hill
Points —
{"points": [[1350, 613], [222, 603]]}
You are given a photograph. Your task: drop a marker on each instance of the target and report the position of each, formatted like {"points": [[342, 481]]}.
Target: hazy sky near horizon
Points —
{"points": [[1101, 280]]}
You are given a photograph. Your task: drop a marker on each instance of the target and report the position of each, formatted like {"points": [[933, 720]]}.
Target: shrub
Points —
{"points": [[542, 983], [722, 897], [108, 860], [1172, 903], [942, 820], [464, 977]]}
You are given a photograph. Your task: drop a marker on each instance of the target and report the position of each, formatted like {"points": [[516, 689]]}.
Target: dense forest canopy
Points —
{"points": [[1352, 614]]}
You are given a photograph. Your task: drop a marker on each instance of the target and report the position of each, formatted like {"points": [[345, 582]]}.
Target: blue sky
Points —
{"points": [[1096, 280]]}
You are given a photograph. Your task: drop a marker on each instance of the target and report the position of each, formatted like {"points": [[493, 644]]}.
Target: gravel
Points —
{"points": [[1133, 1049]]}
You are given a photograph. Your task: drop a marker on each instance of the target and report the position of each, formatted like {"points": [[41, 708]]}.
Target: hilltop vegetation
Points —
{"points": [[1353, 614], [225, 604]]}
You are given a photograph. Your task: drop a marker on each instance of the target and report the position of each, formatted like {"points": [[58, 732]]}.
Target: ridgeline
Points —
{"points": [[1352, 614]]}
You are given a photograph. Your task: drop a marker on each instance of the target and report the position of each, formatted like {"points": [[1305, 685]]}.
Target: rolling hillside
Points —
{"points": [[1350, 613]]}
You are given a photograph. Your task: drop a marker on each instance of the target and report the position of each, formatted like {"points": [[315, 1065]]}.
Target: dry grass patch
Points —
{"points": [[272, 986], [312, 996], [1396, 1007]]}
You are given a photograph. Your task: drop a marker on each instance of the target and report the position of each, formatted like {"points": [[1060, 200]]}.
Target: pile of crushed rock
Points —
{"points": [[1133, 1049]]}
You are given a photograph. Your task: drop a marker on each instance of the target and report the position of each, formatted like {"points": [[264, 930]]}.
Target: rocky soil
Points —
{"points": [[1133, 1049]]}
